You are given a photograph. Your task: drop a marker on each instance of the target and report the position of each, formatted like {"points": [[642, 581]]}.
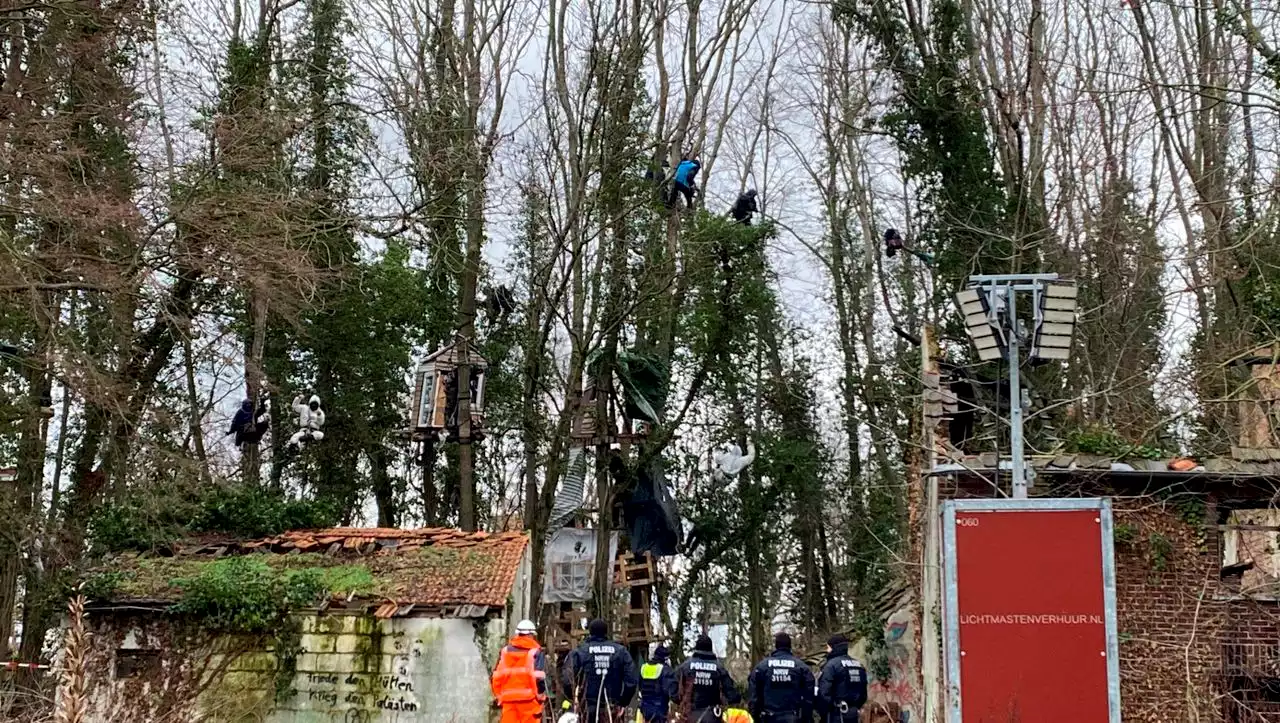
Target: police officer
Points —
{"points": [[657, 687], [842, 684], [704, 684], [782, 686], [600, 676]]}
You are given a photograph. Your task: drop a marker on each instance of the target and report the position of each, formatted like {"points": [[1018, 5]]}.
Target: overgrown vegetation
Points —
{"points": [[1161, 549], [1107, 443], [290, 202], [153, 519], [243, 594], [1124, 534]]}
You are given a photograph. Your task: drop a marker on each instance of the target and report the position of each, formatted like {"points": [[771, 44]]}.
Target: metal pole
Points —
{"points": [[1015, 400]]}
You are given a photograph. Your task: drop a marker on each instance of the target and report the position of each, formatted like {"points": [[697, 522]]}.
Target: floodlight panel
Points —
{"points": [[969, 308], [989, 353], [969, 296], [1061, 290], [1057, 329], [982, 342], [977, 321], [1062, 342], [1058, 304], [1059, 317], [1052, 353]]}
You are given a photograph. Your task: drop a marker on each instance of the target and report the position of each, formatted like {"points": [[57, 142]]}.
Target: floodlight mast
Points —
{"points": [[999, 294]]}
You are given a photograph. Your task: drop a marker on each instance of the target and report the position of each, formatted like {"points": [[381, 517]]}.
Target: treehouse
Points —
{"points": [[434, 406]]}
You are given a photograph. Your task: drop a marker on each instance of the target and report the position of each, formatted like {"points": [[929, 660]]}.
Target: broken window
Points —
{"points": [[136, 662], [1251, 552], [570, 564]]}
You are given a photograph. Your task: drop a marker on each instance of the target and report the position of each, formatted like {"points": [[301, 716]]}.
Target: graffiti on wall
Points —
{"points": [[895, 699]]}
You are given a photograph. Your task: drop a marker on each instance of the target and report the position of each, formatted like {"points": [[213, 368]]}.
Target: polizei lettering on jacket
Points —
{"points": [[782, 669], [600, 656], [703, 672], [853, 668]]}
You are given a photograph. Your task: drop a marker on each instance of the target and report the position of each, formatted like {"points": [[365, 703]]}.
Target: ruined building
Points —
{"points": [[1197, 563], [413, 627]]}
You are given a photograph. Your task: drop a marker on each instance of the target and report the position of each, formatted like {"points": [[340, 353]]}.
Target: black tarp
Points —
{"points": [[644, 383], [649, 510]]}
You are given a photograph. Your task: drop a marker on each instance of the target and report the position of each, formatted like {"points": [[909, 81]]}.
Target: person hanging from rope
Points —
{"points": [[251, 422], [893, 243], [310, 421]]}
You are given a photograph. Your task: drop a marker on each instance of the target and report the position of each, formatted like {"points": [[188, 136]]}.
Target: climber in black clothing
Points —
{"points": [[744, 207]]}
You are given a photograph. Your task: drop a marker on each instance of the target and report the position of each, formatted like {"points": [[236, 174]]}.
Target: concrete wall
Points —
{"points": [[352, 669]]}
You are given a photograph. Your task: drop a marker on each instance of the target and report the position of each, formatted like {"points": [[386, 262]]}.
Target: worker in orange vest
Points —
{"points": [[520, 680]]}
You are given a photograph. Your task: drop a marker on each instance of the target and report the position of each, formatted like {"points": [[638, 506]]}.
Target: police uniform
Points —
{"points": [[782, 686], [600, 675], [842, 685], [657, 688], [704, 685]]}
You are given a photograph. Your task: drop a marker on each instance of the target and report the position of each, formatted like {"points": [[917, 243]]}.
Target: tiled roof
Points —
{"points": [[464, 573]]}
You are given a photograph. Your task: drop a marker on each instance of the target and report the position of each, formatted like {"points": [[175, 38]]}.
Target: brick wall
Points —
{"points": [[1168, 622], [1181, 628]]}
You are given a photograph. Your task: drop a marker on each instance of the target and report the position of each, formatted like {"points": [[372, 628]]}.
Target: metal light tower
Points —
{"points": [[990, 308]]}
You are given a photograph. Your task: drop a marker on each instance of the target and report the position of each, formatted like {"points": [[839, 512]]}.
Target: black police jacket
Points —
{"points": [[657, 692], [704, 683], [598, 660], [843, 680], [782, 685]]}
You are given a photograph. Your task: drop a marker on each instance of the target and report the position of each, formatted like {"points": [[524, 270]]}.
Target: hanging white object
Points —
{"points": [[732, 461], [310, 421]]}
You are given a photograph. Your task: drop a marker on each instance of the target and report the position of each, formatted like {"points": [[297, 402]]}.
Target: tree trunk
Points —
{"points": [[250, 464], [384, 493]]}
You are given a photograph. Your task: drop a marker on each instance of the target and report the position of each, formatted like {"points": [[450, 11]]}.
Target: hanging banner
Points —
{"points": [[570, 564]]}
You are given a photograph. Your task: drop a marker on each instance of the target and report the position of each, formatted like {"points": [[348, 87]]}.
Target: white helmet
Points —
{"points": [[526, 627]]}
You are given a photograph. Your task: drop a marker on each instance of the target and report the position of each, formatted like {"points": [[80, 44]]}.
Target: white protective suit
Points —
{"points": [[310, 420], [729, 463]]}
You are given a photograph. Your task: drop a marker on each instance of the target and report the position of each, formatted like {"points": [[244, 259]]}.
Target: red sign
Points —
{"points": [[1031, 606]]}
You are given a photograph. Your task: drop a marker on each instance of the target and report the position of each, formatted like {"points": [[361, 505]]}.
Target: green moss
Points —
{"points": [[287, 648], [137, 577]]}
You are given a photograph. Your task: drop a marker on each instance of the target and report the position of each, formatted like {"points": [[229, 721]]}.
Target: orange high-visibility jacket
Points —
{"points": [[516, 678]]}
